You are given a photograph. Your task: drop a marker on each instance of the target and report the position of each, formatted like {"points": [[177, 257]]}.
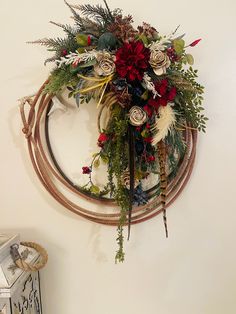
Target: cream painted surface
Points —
{"points": [[193, 272]]}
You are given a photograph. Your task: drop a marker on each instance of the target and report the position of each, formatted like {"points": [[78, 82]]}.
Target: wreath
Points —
{"points": [[145, 85]]}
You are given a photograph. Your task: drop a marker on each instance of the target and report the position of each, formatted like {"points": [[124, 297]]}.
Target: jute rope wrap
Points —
{"points": [[49, 175], [22, 264]]}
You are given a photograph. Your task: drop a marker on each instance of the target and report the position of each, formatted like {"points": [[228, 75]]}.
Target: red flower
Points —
{"points": [[89, 40], [148, 110], [132, 60], [162, 101], [154, 102], [151, 158], [161, 87], [64, 52], [148, 139], [172, 93], [86, 170], [195, 42], [166, 94], [171, 53], [103, 138]]}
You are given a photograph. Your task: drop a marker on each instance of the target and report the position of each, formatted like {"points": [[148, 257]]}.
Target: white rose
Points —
{"points": [[137, 116], [105, 65], [159, 61]]}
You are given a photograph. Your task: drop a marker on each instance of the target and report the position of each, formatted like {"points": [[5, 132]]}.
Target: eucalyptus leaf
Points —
{"points": [[95, 155], [96, 163], [190, 59], [105, 159], [94, 189], [179, 46], [88, 64], [184, 60], [107, 41], [77, 99]]}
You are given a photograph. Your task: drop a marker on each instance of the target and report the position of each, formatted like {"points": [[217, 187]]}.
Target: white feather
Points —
{"points": [[163, 124]]}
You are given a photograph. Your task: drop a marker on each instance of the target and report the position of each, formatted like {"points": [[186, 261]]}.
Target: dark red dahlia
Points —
{"points": [[132, 60], [166, 94]]}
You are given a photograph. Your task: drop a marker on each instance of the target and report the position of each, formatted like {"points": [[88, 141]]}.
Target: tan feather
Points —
{"points": [[161, 150], [163, 123]]}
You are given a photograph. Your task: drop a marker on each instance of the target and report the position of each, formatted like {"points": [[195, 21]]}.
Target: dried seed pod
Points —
{"points": [[137, 116]]}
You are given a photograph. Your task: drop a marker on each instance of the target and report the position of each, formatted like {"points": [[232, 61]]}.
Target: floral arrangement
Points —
{"points": [[148, 86]]}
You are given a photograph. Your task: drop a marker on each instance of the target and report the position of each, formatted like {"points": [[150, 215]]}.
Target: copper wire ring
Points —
{"points": [[47, 171]]}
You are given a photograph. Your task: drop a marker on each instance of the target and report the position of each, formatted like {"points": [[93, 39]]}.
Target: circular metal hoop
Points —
{"points": [[50, 176]]}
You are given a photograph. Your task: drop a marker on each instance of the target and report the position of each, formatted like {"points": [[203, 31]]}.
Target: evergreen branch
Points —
{"points": [[108, 10], [57, 45], [91, 27], [71, 31], [58, 80], [52, 59], [76, 16], [97, 12]]}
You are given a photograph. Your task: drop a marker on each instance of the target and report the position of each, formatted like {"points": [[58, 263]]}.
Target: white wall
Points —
{"points": [[191, 272]]}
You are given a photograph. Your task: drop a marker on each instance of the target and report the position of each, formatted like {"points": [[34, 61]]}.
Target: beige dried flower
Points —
{"points": [[137, 116], [159, 61], [105, 65]]}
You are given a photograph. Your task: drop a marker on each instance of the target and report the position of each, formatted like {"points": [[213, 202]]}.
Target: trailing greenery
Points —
{"points": [[116, 168]]}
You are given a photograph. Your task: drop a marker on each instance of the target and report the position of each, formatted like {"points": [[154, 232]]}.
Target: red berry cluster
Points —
{"points": [[172, 54], [102, 139], [86, 170]]}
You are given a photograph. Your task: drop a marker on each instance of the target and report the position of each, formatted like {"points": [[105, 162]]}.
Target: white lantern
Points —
{"points": [[19, 289]]}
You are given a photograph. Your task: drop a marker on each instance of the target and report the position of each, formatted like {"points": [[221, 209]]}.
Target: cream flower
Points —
{"points": [[159, 62], [137, 116], [105, 65]]}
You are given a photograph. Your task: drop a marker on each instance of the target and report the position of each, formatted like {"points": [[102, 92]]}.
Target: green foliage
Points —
{"points": [[96, 163], [107, 41], [189, 100], [118, 161], [179, 46], [71, 31], [57, 45], [78, 19], [85, 98], [176, 142], [58, 79], [94, 189], [98, 13], [190, 59]]}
